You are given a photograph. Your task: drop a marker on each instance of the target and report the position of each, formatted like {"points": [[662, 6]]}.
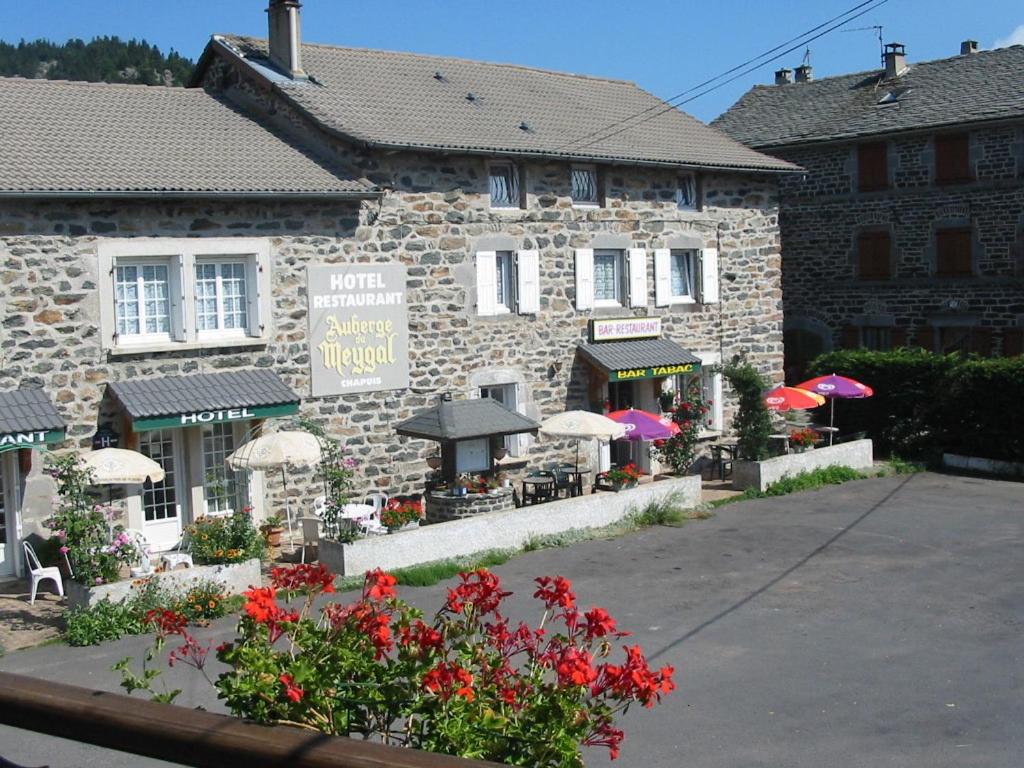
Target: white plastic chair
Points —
{"points": [[377, 499], [310, 534], [39, 573], [319, 505], [180, 555]]}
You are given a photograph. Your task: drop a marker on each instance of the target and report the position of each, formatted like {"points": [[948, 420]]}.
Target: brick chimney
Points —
{"points": [[804, 73], [782, 76], [895, 60], [285, 39], [968, 46]]}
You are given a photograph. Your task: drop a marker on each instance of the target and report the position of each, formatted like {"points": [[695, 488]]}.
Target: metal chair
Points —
{"points": [[39, 574]]}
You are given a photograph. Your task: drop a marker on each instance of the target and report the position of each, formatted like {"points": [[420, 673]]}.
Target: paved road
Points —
{"points": [[874, 624]]}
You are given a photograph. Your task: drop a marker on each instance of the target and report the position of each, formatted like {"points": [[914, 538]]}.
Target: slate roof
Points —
{"points": [[173, 395], [643, 353], [28, 410], [465, 420], [95, 138], [388, 99], [988, 85]]}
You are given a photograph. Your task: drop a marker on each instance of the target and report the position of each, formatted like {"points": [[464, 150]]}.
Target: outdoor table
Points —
{"points": [[830, 431], [538, 488], [782, 438], [576, 475], [356, 511]]}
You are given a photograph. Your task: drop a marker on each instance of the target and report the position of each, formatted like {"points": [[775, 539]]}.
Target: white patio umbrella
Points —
{"points": [[278, 450], [119, 466], [581, 425]]}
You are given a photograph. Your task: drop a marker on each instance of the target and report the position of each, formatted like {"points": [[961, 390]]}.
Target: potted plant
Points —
{"points": [[666, 400], [803, 439], [624, 477], [272, 531], [461, 486], [401, 514]]}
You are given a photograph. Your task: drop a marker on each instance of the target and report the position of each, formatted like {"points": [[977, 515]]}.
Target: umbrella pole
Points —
{"points": [[831, 418], [287, 506]]}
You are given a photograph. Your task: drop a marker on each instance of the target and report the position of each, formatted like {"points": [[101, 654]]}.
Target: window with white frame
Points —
{"points": [[686, 193], [683, 274], [503, 184], [167, 294], [506, 395], [507, 282], [224, 490], [584, 185], [609, 277]]}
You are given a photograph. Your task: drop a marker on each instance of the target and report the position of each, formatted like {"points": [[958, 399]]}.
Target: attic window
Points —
{"points": [[893, 96]]}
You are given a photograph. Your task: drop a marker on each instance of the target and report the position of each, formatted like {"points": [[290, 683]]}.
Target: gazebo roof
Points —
{"points": [[466, 420]]}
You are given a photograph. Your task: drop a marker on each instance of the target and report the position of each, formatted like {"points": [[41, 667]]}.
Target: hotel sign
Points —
{"points": [[358, 328], [31, 439], [624, 328], [196, 418], [653, 372]]}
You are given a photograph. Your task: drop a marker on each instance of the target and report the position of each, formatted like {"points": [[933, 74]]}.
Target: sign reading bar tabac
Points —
{"points": [[653, 372], [623, 328], [358, 328]]}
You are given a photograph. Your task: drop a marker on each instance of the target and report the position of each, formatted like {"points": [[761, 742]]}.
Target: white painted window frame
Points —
{"points": [[174, 309], [185, 253], [621, 279], [694, 254], [220, 332], [695, 180], [505, 266], [717, 411]]}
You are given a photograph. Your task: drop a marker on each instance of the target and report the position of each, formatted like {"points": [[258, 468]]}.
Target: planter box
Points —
{"points": [[235, 578], [986, 466], [509, 529], [857, 454]]}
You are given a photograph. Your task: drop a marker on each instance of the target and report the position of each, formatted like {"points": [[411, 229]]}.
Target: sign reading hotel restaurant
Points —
{"points": [[623, 328], [653, 372], [31, 439], [358, 328]]}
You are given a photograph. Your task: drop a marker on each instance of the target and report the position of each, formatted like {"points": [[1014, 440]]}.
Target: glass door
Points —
{"points": [[162, 502], [8, 504], [224, 490]]}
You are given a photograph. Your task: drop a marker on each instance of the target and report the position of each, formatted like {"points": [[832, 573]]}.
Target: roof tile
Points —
{"points": [[173, 395]]}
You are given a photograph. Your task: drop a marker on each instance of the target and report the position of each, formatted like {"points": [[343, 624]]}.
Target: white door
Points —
{"points": [[162, 502], [8, 512]]}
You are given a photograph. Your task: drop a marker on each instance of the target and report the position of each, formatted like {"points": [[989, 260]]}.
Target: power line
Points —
{"points": [[667, 105], [675, 101]]}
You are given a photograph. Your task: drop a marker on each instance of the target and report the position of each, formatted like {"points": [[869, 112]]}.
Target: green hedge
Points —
{"points": [[926, 403]]}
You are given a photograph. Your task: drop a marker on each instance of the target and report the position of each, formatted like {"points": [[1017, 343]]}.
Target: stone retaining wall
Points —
{"points": [[501, 530], [857, 454], [442, 508], [234, 578], [978, 464]]}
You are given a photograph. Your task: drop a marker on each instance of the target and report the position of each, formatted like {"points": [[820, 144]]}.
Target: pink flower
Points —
{"points": [[99, 579], [61, 535], [64, 550]]}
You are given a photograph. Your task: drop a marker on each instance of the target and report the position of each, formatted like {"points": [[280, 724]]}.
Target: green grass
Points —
{"points": [[664, 511], [903, 467], [805, 481]]}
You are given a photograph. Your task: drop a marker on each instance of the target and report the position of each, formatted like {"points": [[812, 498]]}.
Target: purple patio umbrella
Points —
{"points": [[641, 425], [835, 387]]}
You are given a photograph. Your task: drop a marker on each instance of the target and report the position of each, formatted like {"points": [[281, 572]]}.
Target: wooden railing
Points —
{"points": [[188, 736]]}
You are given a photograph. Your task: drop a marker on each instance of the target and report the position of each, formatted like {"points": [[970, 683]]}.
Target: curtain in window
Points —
{"points": [[683, 278], [504, 186], [606, 277], [142, 300], [686, 193]]}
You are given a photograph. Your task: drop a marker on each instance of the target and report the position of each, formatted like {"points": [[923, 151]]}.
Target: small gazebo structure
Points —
{"points": [[471, 432]]}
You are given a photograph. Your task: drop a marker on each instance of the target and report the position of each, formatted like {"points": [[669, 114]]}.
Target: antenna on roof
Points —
{"points": [[807, 57], [878, 29]]}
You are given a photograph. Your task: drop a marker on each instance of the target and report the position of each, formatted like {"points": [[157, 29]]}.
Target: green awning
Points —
{"points": [[646, 359], [28, 419]]}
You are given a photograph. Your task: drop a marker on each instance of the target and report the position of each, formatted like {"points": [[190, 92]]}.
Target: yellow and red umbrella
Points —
{"points": [[792, 398]]}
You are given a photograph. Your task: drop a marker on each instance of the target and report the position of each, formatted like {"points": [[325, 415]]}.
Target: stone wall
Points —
{"points": [[433, 216], [822, 214], [442, 507]]}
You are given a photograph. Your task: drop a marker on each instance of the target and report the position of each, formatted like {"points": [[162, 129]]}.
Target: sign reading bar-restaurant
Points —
{"points": [[653, 372], [358, 328], [623, 328]]}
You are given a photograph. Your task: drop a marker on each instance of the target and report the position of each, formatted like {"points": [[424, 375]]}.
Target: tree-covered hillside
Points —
{"points": [[103, 59]]}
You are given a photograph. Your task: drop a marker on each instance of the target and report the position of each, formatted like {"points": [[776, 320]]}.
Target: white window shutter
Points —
{"points": [[253, 296], [182, 306], [709, 275], [584, 278], [662, 277], [528, 277], [486, 283], [637, 277]]}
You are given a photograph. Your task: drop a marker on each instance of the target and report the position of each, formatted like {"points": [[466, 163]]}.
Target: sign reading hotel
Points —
{"points": [[623, 328], [358, 328]]}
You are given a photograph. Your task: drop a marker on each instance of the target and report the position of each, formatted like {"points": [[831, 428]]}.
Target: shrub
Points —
{"points": [[679, 450], [101, 622], [927, 403], [399, 512], [469, 682], [806, 481], [752, 423], [225, 539]]}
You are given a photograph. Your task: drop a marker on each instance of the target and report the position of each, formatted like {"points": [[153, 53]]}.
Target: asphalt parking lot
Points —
{"points": [[878, 623]]}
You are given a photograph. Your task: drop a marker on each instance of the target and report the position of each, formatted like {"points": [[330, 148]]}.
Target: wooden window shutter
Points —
{"points": [[981, 341], [637, 277], [874, 255], [708, 275], [486, 283], [952, 159], [953, 252], [872, 166], [851, 337], [662, 277], [584, 278], [1013, 342]]}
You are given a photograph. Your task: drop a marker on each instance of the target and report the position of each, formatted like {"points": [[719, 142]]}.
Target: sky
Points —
{"points": [[666, 47]]}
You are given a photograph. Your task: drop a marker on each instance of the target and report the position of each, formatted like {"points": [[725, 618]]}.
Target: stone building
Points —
{"points": [[907, 226], [345, 235]]}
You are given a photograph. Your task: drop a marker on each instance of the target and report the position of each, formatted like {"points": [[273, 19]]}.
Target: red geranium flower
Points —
{"points": [[292, 691]]}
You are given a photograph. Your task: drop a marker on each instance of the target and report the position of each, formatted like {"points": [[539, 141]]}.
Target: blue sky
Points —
{"points": [[665, 46]]}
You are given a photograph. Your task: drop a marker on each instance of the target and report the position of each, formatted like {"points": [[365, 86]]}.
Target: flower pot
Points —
{"points": [[624, 485], [273, 536]]}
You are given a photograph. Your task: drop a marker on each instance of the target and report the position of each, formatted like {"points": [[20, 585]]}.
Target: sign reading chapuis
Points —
{"points": [[358, 328]]}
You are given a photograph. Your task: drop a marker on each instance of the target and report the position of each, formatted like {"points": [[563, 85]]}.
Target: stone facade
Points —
{"points": [[442, 507], [827, 304], [433, 217]]}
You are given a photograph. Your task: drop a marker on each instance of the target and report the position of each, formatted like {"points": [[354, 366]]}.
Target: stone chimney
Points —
{"points": [[895, 60], [804, 73], [968, 46], [285, 39], [782, 76]]}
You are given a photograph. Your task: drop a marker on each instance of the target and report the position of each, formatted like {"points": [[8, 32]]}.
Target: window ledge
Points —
{"points": [[585, 205], [183, 346]]}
